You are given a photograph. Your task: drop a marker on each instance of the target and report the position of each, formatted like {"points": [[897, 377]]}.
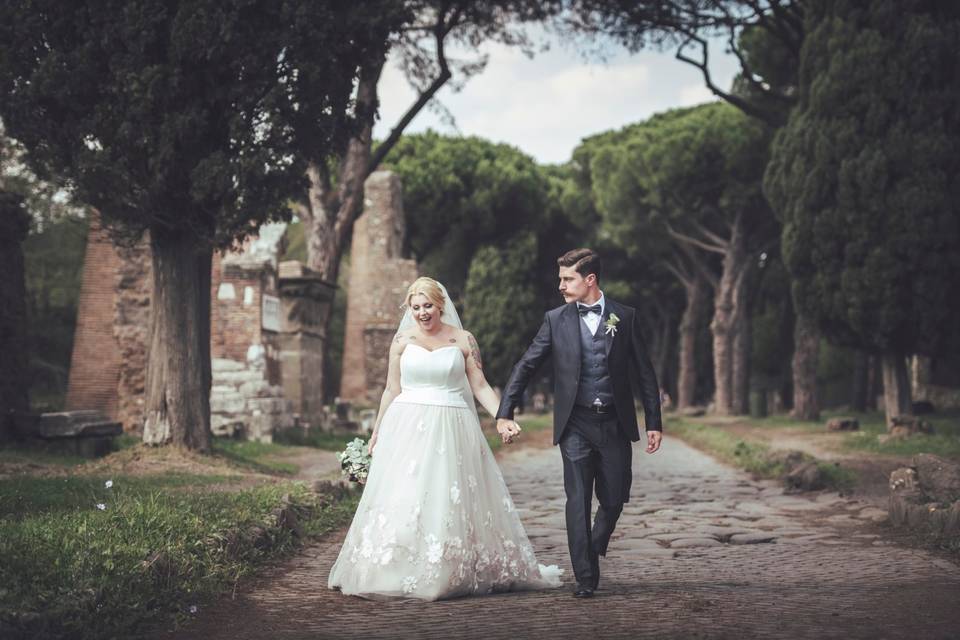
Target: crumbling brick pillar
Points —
{"points": [[379, 278]]}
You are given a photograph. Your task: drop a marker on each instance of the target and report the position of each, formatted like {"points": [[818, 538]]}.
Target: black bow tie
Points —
{"points": [[584, 309]]}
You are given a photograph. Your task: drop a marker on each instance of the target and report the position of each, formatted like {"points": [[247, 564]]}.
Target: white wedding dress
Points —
{"points": [[436, 519]]}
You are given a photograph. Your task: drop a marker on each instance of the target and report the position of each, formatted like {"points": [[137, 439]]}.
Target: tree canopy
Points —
{"points": [[460, 194], [182, 117], [864, 174]]}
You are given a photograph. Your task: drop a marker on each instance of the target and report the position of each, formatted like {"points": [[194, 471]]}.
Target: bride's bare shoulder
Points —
{"points": [[402, 338], [462, 336]]}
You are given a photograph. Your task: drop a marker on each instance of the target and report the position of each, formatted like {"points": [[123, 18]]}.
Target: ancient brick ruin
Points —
{"points": [[267, 337], [264, 338]]}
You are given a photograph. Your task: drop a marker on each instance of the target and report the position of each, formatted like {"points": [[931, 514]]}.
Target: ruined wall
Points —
{"points": [[95, 361], [379, 278]]}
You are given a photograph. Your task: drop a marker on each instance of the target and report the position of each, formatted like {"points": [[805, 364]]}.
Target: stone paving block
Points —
{"points": [[695, 542], [873, 513], [752, 538]]}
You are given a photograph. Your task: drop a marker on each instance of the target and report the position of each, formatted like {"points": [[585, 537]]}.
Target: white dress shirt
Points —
{"points": [[592, 319]]}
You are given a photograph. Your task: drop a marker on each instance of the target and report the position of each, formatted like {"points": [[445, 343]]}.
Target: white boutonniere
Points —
{"points": [[610, 326]]}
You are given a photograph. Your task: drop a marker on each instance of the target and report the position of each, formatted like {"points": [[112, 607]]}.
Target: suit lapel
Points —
{"points": [[609, 337], [571, 324]]}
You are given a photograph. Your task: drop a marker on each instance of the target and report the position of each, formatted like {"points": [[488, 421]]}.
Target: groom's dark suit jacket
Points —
{"points": [[559, 336]]}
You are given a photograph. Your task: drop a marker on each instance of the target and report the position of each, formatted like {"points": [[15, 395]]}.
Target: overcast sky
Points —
{"points": [[547, 104]]}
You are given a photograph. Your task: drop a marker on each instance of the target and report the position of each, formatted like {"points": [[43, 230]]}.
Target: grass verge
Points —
{"points": [[316, 438], [103, 562], [255, 456], [944, 442], [755, 457]]}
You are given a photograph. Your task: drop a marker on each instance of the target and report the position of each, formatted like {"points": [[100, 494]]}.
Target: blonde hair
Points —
{"points": [[429, 288]]}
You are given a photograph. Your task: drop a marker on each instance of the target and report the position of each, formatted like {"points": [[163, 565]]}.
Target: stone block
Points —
{"points": [[906, 426], [843, 424], [752, 538], [234, 403], [223, 364], [257, 389], [236, 377], [75, 424], [807, 477], [225, 425], [939, 478], [904, 481]]}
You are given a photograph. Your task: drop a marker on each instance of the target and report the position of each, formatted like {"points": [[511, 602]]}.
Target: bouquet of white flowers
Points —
{"points": [[355, 461]]}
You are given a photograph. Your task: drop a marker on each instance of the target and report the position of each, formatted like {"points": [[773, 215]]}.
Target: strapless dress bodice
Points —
{"points": [[435, 377]]}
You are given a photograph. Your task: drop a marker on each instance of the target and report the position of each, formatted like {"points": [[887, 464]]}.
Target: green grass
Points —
{"points": [[755, 457], [945, 442], [256, 456], [72, 570], [315, 438], [37, 454], [26, 496], [750, 456]]}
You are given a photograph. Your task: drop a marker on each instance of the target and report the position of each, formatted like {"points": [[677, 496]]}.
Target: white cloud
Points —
{"points": [[695, 94], [546, 105]]}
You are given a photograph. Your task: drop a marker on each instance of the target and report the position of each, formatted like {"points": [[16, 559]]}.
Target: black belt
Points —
{"points": [[597, 408]]}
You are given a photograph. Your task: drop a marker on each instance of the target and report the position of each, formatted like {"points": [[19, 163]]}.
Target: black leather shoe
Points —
{"points": [[583, 592]]}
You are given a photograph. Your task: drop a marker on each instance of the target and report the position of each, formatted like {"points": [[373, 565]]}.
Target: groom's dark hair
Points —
{"points": [[584, 261]]}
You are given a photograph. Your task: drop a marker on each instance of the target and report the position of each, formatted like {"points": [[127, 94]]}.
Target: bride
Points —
{"points": [[436, 519]]}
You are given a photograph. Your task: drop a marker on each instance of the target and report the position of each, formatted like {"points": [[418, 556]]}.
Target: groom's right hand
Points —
{"points": [[507, 429]]}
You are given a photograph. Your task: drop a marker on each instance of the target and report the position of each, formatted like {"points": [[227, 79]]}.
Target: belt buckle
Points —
{"points": [[598, 408]]}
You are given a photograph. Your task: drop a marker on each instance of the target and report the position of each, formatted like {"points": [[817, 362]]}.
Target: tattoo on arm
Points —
{"points": [[475, 350]]}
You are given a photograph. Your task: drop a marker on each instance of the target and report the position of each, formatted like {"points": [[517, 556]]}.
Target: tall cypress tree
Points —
{"points": [[864, 177]]}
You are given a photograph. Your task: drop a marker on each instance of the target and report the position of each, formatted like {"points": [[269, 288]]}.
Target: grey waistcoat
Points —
{"points": [[594, 376]]}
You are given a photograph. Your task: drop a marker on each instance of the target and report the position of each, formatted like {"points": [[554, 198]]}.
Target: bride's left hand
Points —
{"points": [[507, 430]]}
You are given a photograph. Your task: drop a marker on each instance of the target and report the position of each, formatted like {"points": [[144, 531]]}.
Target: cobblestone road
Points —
{"points": [[701, 551]]}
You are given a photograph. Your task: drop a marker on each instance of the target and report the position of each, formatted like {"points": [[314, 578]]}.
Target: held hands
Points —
{"points": [[653, 441], [507, 429]]}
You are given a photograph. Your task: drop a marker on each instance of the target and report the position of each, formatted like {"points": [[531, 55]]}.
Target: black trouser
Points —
{"points": [[593, 450]]}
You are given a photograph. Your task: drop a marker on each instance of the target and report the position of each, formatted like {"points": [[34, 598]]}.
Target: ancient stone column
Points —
{"points": [[379, 278], [305, 300]]}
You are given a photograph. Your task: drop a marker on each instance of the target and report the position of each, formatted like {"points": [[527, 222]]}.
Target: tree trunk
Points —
{"points": [[806, 353], [328, 213], [14, 359], [742, 346], [860, 387], [660, 348], [874, 382], [896, 386], [177, 402], [727, 314], [689, 327]]}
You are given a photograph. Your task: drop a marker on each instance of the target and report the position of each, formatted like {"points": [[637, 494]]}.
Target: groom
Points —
{"points": [[592, 340]]}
